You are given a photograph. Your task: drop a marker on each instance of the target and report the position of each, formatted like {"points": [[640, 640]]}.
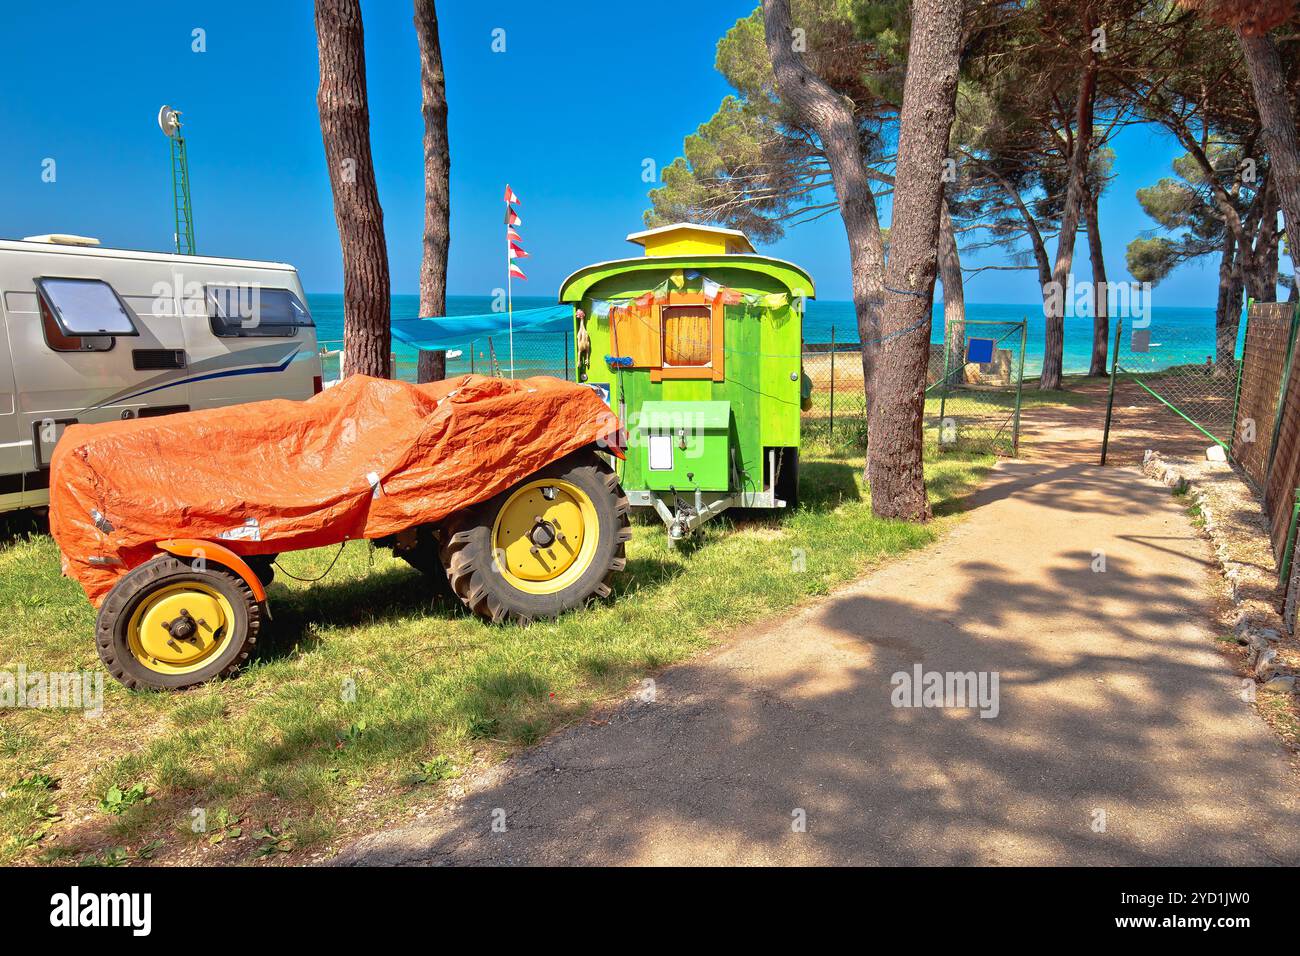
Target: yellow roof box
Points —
{"points": [[692, 239]]}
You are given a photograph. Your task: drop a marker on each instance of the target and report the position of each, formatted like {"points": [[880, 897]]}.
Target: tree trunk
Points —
{"points": [[437, 183], [1264, 274], [1054, 344], [954, 298], [345, 130], [1277, 116], [895, 468], [1227, 311], [1100, 313], [829, 116]]}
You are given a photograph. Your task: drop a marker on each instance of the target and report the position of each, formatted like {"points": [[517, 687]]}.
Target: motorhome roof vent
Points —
{"points": [[63, 240]]}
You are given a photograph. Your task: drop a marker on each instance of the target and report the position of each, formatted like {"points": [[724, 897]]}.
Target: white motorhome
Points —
{"points": [[89, 334]]}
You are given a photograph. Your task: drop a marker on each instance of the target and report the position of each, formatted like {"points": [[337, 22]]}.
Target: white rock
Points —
{"points": [[1215, 453]]}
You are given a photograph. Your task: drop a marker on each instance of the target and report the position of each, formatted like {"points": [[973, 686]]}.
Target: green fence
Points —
{"points": [[968, 406], [975, 405], [837, 407], [1202, 395]]}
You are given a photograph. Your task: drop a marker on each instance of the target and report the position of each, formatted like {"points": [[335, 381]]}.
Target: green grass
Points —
{"points": [[299, 759]]}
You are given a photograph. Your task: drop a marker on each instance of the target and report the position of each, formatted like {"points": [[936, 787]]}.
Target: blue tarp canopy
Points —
{"points": [[457, 331]]}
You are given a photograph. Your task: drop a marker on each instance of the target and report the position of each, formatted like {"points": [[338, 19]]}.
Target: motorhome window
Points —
{"points": [[247, 310], [687, 335], [86, 307]]}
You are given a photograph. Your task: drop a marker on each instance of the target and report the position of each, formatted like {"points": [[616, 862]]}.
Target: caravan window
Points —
{"points": [[251, 310], [82, 313], [687, 335]]}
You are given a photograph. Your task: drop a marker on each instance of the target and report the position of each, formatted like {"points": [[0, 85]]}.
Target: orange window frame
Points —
{"points": [[714, 371]]}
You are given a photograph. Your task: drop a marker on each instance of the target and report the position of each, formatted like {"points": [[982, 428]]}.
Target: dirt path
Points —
{"points": [[1120, 736], [1072, 432]]}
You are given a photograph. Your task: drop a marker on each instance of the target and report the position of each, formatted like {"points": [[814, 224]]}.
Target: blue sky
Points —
{"points": [[567, 114]]}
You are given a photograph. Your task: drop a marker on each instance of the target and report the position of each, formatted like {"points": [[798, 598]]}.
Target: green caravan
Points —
{"points": [[697, 346]]}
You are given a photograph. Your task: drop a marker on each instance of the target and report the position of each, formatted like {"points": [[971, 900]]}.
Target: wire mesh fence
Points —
{"points": [[974, 402], [836, 410], [978, 401], [1266, 433], [1200, 395], [534, 353], [969, 406]]}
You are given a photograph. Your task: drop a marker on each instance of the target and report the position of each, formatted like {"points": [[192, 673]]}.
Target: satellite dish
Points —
{"points": [[169, 121]]}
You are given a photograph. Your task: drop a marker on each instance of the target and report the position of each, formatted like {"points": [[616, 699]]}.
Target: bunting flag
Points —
{"points": [[516, 252], [511, 197], [511, 234], [714, 292], [512, 217], [517, 272]]}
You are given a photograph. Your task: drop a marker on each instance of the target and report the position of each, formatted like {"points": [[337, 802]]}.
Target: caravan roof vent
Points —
{"points": [[63, 240]]}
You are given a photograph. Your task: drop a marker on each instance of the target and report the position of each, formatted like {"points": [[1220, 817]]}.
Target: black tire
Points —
{"points": [[787, 477], [111, 639], [480, 585]]}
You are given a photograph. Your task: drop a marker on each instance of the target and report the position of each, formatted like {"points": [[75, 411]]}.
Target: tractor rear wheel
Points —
{"points": [[168, 625], [543, 547]]}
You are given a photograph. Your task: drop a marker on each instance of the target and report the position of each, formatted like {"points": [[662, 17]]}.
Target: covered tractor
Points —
{"points": [[497, 490]]}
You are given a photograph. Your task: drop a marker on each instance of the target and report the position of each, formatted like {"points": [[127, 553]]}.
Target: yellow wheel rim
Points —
{"points": [[545, 535], [180, 627]]}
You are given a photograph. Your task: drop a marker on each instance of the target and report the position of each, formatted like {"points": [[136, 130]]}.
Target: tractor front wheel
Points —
{"points": [[168, 625], [543, 547]]}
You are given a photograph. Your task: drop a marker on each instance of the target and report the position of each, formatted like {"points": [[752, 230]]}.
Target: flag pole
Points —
{"points": [[510, 311], [511, 221]]}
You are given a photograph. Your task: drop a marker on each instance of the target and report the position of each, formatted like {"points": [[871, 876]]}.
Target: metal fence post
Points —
{"points": [[1020, 384], [943, 386], [1284, 572], [1110, 398], [1241, 365], [832, 425]]}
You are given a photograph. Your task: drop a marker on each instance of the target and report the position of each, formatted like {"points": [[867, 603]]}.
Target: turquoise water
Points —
{"points": [[1179, 335]]}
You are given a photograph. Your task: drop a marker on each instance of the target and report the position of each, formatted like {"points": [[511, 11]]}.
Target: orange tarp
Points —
{"points": [[364, 459]]}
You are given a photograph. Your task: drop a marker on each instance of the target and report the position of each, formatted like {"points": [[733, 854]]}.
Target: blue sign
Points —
{"points": [[979, 351]]}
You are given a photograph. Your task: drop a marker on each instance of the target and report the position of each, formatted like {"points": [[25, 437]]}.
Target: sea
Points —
{"points": [[1179, 335]]}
